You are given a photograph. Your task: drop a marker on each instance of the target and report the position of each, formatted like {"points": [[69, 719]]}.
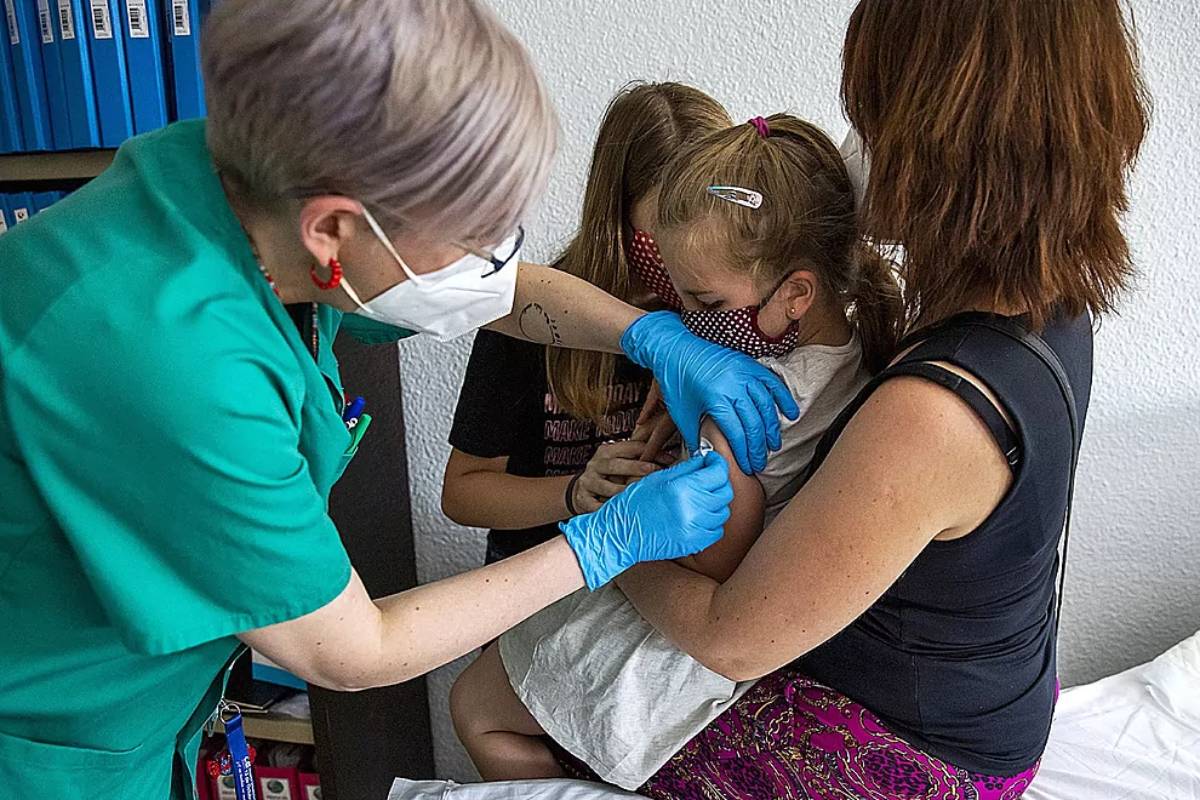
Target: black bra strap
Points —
{"points": [[1006, 438]]}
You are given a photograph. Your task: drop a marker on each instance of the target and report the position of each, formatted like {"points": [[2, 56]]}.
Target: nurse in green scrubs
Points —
{"points": [[170, 406]]}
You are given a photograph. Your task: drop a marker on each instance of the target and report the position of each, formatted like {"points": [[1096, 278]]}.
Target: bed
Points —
{"points": [[1132, 736]]}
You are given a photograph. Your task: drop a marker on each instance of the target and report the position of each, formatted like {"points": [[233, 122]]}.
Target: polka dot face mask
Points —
{"points": [[735, 328], [738, 329], [648, 264]]}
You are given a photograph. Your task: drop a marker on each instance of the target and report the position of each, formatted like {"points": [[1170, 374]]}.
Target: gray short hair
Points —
{"points": [[429, 111]]}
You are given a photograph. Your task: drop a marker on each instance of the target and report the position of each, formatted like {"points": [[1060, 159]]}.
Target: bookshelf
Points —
{"points": [[275, 728], [54, 166]]}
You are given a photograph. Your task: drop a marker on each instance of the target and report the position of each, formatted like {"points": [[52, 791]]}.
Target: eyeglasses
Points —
{"points": [[430, 279], [500, 263]]}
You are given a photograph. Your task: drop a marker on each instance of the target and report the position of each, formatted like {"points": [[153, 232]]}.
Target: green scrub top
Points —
{"points": [[167, 448]]}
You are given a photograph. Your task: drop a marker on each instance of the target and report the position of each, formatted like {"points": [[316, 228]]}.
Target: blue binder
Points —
{"points": [[142, 24], [183, 29], [21, 205], [43, 200], [106, 38], [56, 89], [77, 74], [12, 140], [25, 50]]}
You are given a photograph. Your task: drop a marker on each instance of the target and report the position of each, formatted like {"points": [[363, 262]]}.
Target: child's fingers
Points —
{"points": [[600, 487], [625, 467], [663, 430], [652, 404], [627, 449]]}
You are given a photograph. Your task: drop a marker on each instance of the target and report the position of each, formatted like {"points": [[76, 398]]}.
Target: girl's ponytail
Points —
{"points": [[876, 308]]}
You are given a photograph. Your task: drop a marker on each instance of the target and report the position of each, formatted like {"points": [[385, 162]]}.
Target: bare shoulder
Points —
{"points": [[921, 440], [915, 410]]}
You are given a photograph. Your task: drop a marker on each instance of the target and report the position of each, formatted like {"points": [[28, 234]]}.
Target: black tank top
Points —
{"points": [[958, 655]]}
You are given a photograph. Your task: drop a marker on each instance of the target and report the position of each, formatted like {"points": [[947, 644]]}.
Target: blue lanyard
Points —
{"points": [[239, 752]]}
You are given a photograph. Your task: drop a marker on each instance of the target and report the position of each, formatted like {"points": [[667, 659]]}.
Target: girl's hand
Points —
{"points": [[657, 430], [606, 475]]}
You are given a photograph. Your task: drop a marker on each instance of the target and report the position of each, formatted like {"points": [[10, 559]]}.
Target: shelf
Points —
{"points": [[72, 165], [275, 728]]}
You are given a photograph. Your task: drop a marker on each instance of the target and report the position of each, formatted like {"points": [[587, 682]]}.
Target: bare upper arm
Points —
{"points": [[892, 483], [328, 646], [745, 516]]}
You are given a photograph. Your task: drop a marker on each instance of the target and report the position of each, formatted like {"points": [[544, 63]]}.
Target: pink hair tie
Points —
{"points": [[761, 126]]}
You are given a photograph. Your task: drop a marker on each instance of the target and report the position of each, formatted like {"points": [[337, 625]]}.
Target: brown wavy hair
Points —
{"points": [[807, 219], [645, 124], [1000, 136]]}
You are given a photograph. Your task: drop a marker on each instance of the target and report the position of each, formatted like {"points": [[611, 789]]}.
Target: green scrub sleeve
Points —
{"points": [[368, 331], [175, 473]]}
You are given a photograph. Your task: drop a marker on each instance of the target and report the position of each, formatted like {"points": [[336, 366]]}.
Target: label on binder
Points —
{"points": [[3, 222], [136, 11], [181, 17], [66, 20], [20, 214], [45, 22], [14, 34], [101, 20]]}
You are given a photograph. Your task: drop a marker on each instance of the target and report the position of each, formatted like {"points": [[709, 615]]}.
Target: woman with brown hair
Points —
{"points": [[903, 605]]}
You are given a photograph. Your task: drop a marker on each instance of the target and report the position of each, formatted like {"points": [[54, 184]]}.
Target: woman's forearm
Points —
{"points": [[354, 642], [488, 499], [434, 624], [553, 307]]}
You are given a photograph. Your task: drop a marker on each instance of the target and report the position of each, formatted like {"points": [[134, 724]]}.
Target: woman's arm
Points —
{"points": [[478, 492], [745, 518], [698, 379], [354, 642], [553, 307], [879, 498]]}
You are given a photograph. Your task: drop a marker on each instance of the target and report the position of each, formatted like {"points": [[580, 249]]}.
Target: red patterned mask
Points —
{"points": [[648, 264], [738, 329]]}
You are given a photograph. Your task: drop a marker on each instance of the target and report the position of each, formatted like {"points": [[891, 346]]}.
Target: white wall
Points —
{"points": [[1135, 554]]}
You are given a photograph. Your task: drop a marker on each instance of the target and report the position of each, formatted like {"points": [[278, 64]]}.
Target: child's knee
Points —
{"points": [[472, 697], [462, 710]]}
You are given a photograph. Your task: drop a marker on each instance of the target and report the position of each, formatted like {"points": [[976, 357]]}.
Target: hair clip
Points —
{"points": [[736, 194]]}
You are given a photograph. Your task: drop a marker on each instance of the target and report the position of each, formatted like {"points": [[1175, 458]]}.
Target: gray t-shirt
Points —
{"points": [[599, 679]]}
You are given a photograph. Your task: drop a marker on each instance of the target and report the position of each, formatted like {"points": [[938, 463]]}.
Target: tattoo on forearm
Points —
{"points": [[538, 326]]}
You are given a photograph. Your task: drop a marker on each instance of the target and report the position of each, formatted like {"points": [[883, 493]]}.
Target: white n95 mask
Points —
{"points": [[456, 299], [858, 165]]}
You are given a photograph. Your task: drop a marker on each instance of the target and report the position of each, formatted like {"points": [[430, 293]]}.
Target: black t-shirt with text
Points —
{"points": [[506, 409]]}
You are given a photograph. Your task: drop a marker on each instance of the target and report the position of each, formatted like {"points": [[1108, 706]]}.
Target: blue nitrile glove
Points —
{"points": [[701, 379], [667, 514]]}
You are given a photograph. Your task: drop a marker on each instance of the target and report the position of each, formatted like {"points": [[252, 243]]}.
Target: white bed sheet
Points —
{"points": [[1133, 736]]}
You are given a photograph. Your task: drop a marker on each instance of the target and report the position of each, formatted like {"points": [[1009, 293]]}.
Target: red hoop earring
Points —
{"points": [[335, 275]]}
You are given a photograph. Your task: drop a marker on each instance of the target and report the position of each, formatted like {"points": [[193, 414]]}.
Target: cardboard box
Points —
{"points": [[310, 786], [276, 783], [223, 788]]}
